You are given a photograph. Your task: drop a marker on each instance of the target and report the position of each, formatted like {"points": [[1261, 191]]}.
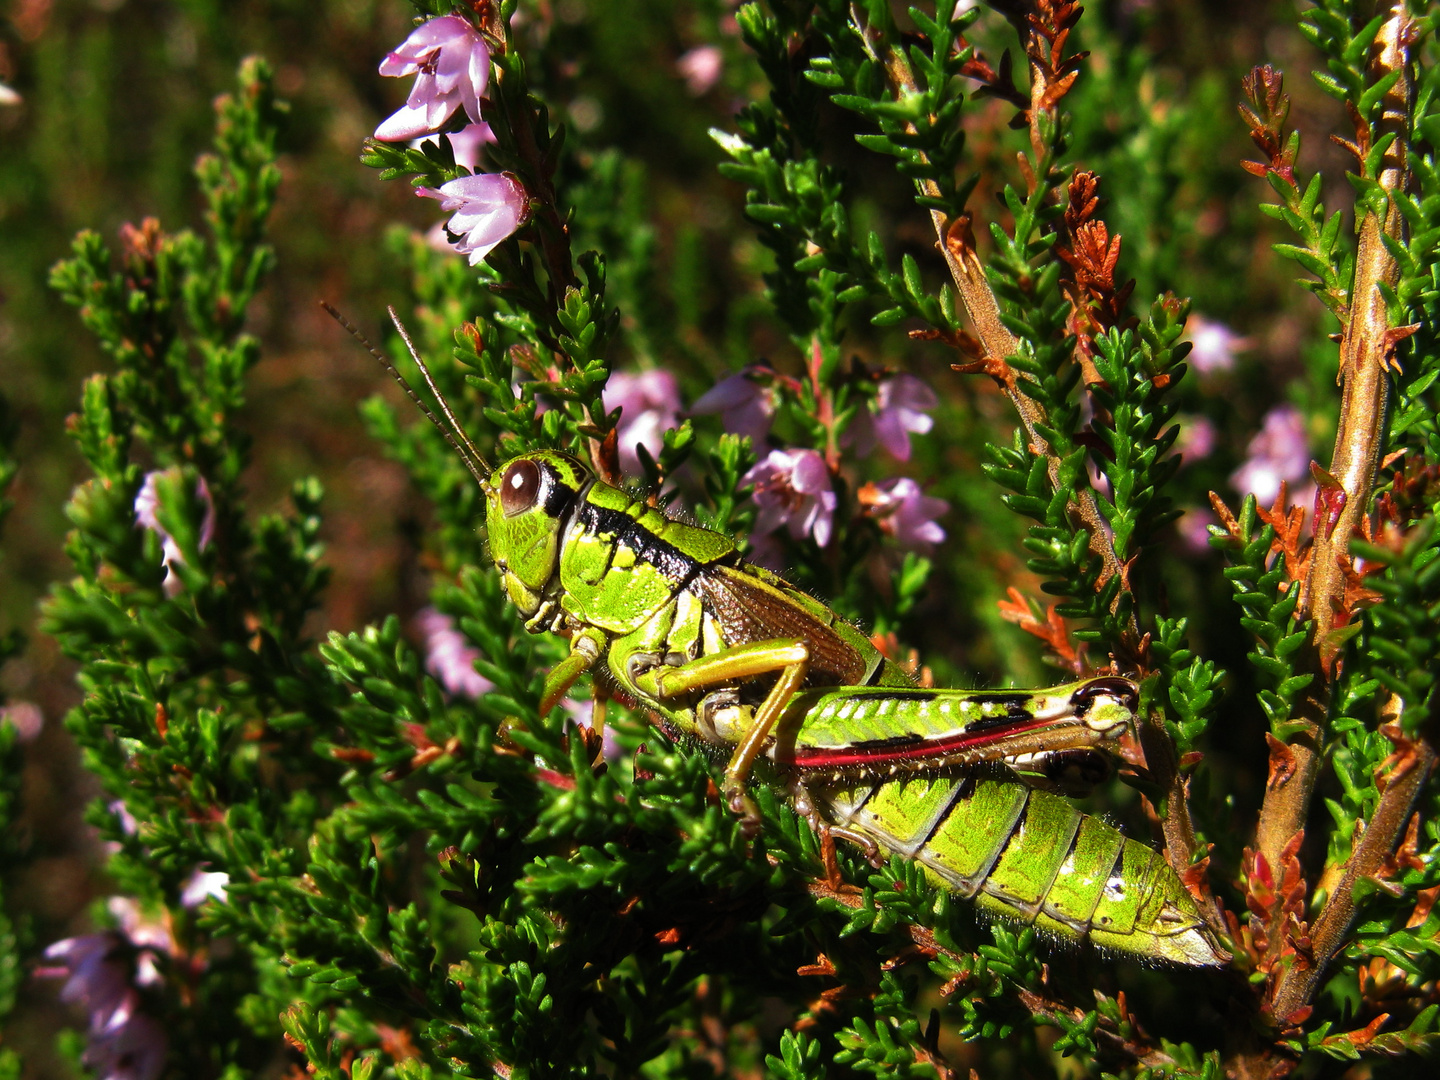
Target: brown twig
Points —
{"points": [[1365, 346], [957, 245], [1364, 351], [1410, 765], [1065, 1016]]}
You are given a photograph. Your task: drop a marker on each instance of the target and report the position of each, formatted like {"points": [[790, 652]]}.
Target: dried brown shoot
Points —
{"points": [[1051, 629]]}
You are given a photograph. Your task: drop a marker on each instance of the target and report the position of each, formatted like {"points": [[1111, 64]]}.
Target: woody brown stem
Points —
{"points": [[1382, 833], [1359, 435], [984, 313]]}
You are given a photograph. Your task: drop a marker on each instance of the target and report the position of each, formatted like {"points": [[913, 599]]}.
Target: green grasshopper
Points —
{"points": [[729, 655]]}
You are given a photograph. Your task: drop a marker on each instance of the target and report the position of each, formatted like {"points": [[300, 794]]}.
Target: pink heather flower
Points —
{"points": [[1280, 452], [437, 239], [744, 403], [132, 1050], [701, 68], [1196, 439], [141, 930], [123, 818], [1214, 345], [449, 656], [25, 717], [900, 407], [905, 512], [1194, 530], [202, 885], [487, 207], [451, 65], [102, 973], [94, 979], [126, 820], [467, 143], [792, 488], [649, 404], [146, 504]]}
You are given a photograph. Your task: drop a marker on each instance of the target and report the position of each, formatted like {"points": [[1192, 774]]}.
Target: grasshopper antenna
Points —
{"points": [[465, 452], [444, 405]]}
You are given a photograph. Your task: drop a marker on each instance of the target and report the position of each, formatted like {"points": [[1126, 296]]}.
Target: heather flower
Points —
{"points": [[900, 407], [792, 488], [141, 930], [1196, 439], [451, 65], [1194, 530], [132, 1050], [1279, 453], [95, 979], [744, 403], [486, 208], [102, 974], [25, 717], [1213, 345], [202, 885], [467, 143], [701, 68], [905, 512], [147, 503], [126, 820], [449, 656], [649, 404]]}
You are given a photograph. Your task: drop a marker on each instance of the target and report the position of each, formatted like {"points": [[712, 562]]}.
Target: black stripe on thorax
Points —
{"points": [[677, 567], [560, 499]]}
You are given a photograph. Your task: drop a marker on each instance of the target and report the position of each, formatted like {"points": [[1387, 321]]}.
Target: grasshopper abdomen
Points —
{"points": [[1028, 855]]}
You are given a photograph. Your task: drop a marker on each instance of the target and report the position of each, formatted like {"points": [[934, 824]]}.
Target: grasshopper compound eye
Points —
{"points": [[519, 487]]}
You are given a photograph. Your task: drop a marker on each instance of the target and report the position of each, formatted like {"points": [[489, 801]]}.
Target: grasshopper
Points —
{"points": [[729, 655]]}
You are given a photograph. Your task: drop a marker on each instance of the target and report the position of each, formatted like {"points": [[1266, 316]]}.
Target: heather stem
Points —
{"points": [[1358, 438], [984, 312], [1382, 833], [1359, 435]]}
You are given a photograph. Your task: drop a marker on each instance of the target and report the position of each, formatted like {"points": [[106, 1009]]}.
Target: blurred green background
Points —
{"points": [[114, 104]]}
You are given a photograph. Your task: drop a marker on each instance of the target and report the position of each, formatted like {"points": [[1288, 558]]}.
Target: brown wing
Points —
{"points": [[749, 609]]}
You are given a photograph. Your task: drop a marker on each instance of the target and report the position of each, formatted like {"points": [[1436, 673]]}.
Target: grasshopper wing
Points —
{"points": [[751, 605]]}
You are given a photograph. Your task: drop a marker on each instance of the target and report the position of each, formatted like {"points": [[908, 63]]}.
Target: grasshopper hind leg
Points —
{"points": [[787, 660], [804, 805]]}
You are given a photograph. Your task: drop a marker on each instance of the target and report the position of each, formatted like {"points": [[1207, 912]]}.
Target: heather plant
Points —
{"points": [[374, 853]]}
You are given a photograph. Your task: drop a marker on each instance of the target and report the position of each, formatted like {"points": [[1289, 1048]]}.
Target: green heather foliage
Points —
{"points": [[423, 880]]}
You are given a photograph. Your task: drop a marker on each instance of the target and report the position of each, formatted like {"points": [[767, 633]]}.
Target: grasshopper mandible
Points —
{"points": [[725, 653]]}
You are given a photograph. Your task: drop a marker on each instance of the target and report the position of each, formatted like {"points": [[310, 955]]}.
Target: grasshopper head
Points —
{"points": [[527, 501]]}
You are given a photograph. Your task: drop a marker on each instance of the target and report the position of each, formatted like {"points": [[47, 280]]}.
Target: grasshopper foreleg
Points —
{"points": [[788, 660], [585, 649]]}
